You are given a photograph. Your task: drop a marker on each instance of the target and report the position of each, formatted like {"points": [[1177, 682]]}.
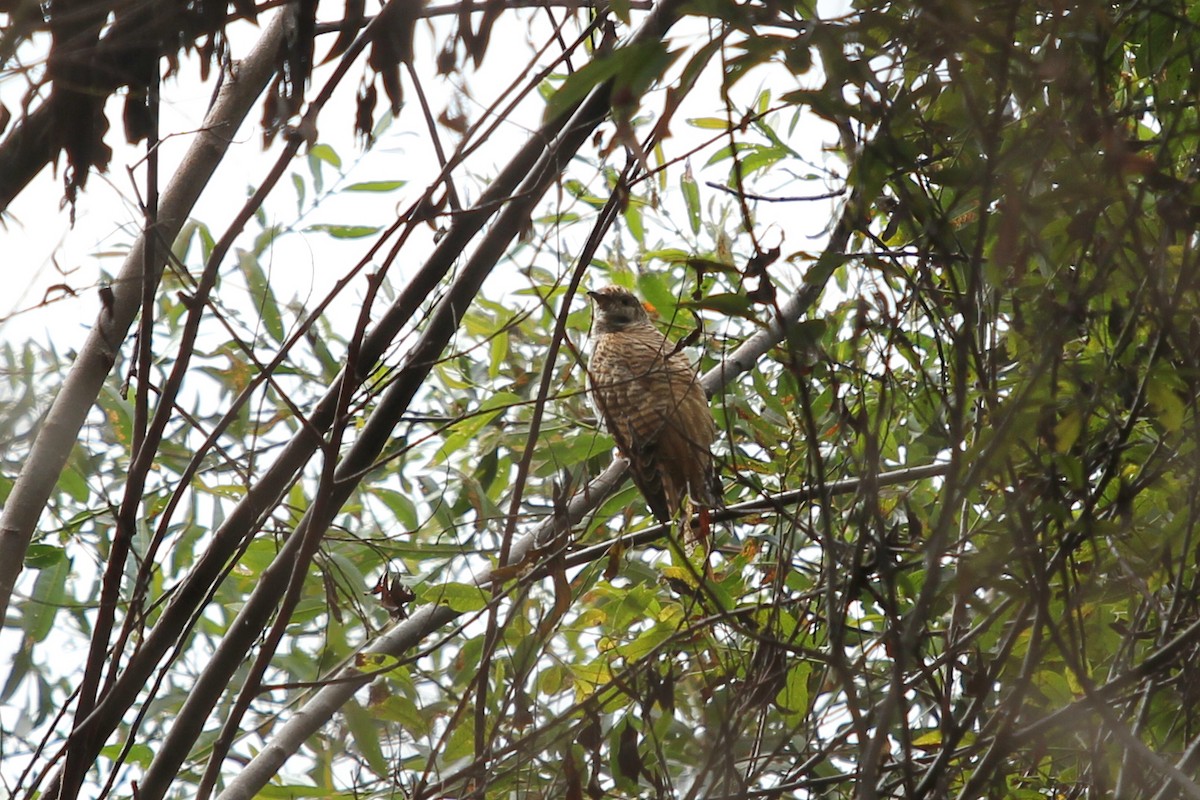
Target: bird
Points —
{"points": [[651, 402]]}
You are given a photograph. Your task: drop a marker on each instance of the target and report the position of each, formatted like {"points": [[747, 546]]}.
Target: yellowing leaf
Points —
{"points": [[793, 697], [592, 617], [928, 741], [1167, 405], [1066, 432], [375, 186], [670, 612], [683, 574], [589, 678], [372, 662], [1073, 683], [709, 123]]}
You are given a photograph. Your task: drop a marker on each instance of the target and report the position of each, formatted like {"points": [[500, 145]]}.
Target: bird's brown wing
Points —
{"points": [[657, 412], [686, 436]]}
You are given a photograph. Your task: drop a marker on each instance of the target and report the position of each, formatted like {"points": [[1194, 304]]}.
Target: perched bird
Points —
{"points": [[652, 403]]}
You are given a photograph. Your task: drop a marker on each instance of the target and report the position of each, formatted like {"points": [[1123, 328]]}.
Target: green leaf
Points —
{"points": [[119, 413], [731, 305], [691, 197], [462, 597], [18, 668], [655, 291], [709, 123], [41, 556], [400, 709], [634, 67], [460, 745], [497, 353], [183, 242], [1066, 432], [48, 597], [400, 504], [375, 186], [697, 64], [298, 184], [755, 159], [258, 556], [633, 221], [327, 154], [139, 754], [466, 429], [207, 242], [572, 449], [793, 697], [234, 491], [318, 155], [644, 643], [365, 732], [307, 610], [828, 104], [344, 231], [264, 297], [290, 791], [579, 83], [71, 481], [1167, 405]]}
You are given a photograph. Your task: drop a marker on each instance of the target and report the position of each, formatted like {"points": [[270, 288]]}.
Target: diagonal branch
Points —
{"points": [[514, 193], [325, 702], [74, 400]]}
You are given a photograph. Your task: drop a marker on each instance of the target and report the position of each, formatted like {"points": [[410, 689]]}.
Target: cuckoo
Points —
{"points": [[653, 405]]}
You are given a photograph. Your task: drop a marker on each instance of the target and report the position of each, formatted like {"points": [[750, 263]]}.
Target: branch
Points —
{"points": [[514, 193], [775, 502], [289, 738], [768, 199], [1077, 712], [408, 634], [74, 400]]}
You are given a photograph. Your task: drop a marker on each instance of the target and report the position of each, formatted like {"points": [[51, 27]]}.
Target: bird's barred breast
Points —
{"points": [[640, 392]]}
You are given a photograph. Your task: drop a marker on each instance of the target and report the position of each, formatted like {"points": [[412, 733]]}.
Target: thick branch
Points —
{"points": [[70, 407], [514, 193], [255, 614]]}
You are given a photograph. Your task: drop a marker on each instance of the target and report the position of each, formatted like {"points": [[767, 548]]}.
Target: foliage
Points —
{"points": [[959, 556]]}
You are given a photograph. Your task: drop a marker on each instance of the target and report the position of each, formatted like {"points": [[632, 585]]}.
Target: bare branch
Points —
{"points": [[70, 407]]}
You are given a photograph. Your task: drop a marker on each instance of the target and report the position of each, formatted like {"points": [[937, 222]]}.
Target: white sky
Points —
{"points": [[42, 250]]}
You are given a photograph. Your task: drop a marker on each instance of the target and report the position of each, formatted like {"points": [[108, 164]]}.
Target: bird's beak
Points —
{"points": [[594, 295]]}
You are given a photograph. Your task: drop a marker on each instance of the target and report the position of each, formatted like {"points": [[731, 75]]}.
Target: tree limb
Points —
{"points": [[288, 739], [71, 405]]}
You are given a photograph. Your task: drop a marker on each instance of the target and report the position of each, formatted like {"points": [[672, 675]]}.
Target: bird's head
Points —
{"points": [[617, 309]]}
